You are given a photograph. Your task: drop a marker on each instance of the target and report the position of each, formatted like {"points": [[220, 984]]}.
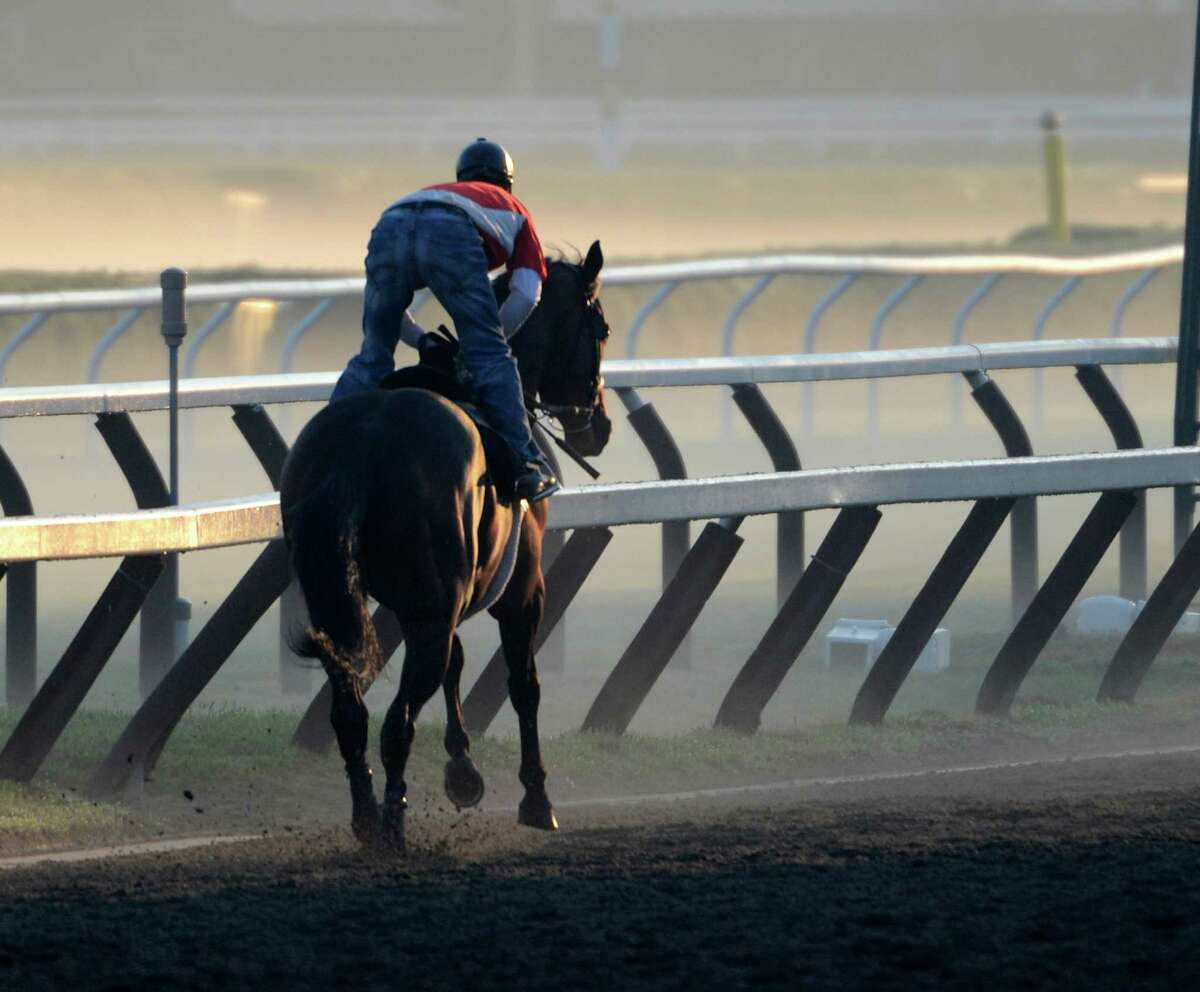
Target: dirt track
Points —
{"points": [[1058, 875]]}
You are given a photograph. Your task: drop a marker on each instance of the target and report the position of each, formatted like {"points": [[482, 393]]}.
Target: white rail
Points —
{"points": [[255, 519], [632, 275], [136, 397]]}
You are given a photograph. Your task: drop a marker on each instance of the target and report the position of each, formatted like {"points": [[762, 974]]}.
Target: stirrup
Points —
{"points": [[536, 483]]}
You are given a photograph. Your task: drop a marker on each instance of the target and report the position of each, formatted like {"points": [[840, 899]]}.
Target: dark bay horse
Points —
{"points": [[387, 494]]}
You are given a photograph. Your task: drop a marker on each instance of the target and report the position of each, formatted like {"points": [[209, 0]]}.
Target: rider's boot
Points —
{"points": [[534, 482]]}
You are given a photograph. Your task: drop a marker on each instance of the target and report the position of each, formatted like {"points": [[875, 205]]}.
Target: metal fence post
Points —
{"points": [[174, 327], [1124, 430], [1187, 368], [918, 624], [665, 628], [1023, 524], [1064, 583], [20, 636]]}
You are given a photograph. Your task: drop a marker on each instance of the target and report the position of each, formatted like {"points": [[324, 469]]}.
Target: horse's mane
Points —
{"points": [[531, 345], [554, 261]]}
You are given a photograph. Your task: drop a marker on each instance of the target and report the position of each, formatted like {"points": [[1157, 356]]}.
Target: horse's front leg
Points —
{"points": [[519, 622], [463, 783]]}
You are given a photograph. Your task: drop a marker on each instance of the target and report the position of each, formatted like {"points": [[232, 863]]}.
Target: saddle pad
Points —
{"points": [[508, 564], [495, 448]]}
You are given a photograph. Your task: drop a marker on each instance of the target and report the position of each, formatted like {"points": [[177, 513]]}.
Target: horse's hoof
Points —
{"points": [[365, 824], [391, 832], [463, 783], [537, 813], [366, 830]]}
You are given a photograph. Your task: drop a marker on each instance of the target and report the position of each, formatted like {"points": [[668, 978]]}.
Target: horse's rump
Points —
{"points": [[385, 494]]}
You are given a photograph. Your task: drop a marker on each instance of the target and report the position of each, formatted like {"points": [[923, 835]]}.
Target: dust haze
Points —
{"points": [[266, 136]]}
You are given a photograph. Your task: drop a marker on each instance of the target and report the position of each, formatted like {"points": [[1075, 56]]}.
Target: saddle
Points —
{"points": [[438, 372]]}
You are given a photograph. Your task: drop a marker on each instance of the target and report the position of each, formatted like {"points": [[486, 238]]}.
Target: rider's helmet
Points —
{"points": [[485, 161]]}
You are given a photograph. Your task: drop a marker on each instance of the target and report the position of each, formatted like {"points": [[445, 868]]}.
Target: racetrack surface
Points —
{"points": [[1076, 874]]}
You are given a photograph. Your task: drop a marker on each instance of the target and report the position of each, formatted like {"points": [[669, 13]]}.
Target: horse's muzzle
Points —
{"points": [[592, 435]]}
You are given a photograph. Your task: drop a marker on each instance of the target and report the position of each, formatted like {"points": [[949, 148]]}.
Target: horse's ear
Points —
{"points": [[593, 263]]}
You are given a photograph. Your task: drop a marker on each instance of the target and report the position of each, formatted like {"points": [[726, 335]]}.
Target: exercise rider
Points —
{"points": [[448, 238]]}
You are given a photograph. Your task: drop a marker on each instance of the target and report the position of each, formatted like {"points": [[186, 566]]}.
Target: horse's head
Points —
{"points": [[560, 347]]}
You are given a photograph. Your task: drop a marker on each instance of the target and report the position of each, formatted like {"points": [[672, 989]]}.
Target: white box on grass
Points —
{"points": [[1105, 615], [854, 642]]}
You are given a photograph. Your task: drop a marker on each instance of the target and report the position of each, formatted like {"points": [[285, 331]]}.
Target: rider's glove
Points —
{"points": [[438, 350]]}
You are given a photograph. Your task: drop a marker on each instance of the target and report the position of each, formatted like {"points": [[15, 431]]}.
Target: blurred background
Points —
{"points": [[273, 132], [263, 137]]}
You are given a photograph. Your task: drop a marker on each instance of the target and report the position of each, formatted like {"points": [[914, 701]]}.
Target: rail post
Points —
{"points": [[665, 628], [1123, 427], [269, 447], [895, 298], [668, 461], [810, 341], [64, 690], [1188, 364], [20, 635], [798, 618], [958, 329], [789, 526], [1064, 583], [1023, 524], [1151, 628], [942, 587], [1055, 157], [137, 750], [174, 328], [157, 635]]}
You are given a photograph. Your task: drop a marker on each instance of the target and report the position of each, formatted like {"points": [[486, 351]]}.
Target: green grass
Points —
{"points": [[234, 770], [44, 815]]}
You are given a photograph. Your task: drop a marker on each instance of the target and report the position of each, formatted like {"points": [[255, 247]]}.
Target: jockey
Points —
{"points": [[448, 237]]}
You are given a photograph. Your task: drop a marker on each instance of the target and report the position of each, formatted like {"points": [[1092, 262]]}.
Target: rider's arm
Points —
{"points": [[410, 331], [524, 291]]}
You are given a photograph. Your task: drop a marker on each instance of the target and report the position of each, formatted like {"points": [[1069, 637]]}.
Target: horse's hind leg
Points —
{"points": [[348, 715], [426, 655], [518, 625], [463, 783]]}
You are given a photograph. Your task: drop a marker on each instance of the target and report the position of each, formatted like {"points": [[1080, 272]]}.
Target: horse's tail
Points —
{"points": [[323, 538]]}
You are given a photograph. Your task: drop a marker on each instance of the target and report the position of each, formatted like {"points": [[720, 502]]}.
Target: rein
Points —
{"points": [[540, 412]]}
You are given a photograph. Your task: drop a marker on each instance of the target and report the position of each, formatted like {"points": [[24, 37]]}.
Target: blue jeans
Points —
{"points": [[437, 246]]}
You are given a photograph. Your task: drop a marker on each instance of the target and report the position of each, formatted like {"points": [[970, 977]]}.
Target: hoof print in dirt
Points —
{"points": [[463, 783]]}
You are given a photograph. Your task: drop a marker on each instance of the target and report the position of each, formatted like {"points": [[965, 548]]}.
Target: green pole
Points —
{"points": [[1188, 361], [1056, 178]]}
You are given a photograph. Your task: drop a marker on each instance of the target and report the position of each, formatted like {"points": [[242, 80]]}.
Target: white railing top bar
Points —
{"points": [[826, 366], [871, 485], [140, 397], [256, 518], [150, 296], [899, 265], [215, 524], [632, 275], [145, 396]]}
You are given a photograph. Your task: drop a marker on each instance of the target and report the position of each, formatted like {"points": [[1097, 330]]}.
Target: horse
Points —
{"points": [[387, 494]]}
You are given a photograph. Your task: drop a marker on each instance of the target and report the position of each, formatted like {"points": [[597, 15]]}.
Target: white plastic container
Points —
{"points": [[1106, 615], [854, 643], [857, 643], [1114, 615], [934, 657]]}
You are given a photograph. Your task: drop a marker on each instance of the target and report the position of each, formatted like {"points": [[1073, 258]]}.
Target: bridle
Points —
{"points": [[581, 416]]}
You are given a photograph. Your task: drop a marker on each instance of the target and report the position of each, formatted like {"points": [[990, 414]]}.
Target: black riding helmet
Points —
{"points": [[485, 161]]}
